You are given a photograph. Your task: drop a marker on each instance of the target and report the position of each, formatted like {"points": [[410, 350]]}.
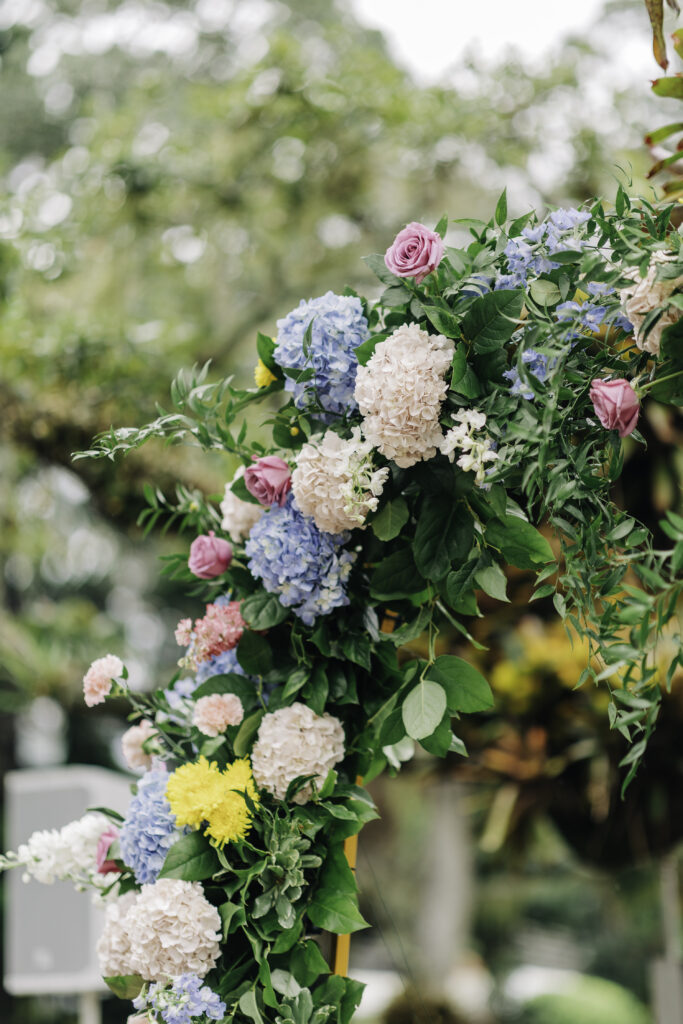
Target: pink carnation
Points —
{"points": [[213, 714], [132, 744], [220, 630], [109, 836], [99, 677]]}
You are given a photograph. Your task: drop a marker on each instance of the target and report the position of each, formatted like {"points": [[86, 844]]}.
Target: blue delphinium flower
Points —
{"points": [[537, 364], [529, 253], [339, 327], [305, 567], [181, 1002], [586, 314], [149, 830]]}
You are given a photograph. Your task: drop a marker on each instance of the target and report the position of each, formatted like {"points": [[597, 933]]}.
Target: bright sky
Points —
{"points": [[428, 36]]}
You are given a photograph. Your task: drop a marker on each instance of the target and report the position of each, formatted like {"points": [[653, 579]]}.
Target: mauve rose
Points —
{"points": [[269, 480], [209, 556], [415, 252], [616, 404], [104, 866]]}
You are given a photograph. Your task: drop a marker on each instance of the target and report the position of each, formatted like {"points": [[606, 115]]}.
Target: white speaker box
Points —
{"points": [[51, 930]]}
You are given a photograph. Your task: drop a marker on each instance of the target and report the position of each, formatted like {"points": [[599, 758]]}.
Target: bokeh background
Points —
{"points": [[175, 177]]}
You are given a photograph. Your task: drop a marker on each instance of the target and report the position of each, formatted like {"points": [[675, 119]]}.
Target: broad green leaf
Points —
{"points": [[397, 295], [501, 214], [442, 227], [519, 542], [357, 649], [671, 87], [446, 323], [491, 319], [254, 654], [263, 611], [389, 522], [227, 912], [423, 709], [249, 1007], [411, 630], [465, 688], [493, 582], [246, 733], [439, 743], [444, 534], [295, 681], [545, 293], [396, 575], [191, 858], [125, 986], [265, 347], [308, 963], [284, 982], [336, 912], [230, 682], [459, 364], [375, 261]]}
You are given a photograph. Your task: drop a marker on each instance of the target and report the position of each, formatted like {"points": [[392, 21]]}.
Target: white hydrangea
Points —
{"points": [[646, 294], [335, 482], [295, 741], [238, 516], [400, 392], [173, 929], [113, 946], [476, 451], [66, 854]]}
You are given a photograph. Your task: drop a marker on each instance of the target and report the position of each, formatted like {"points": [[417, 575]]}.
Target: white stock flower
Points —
{"points": [[476, 451], [295, 741], [173, 930], [646, 294], [238, 516], [335, 482], [113, 945], [67, 854], [400, 392]]}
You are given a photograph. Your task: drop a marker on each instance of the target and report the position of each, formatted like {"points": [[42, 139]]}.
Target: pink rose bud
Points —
{"points": [[209, 556], [415, 252], [104, 866], [616, 404], [269, 480]]}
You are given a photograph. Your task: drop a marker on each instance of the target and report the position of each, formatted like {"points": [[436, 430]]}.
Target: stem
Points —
{"points": [[659, 380]]}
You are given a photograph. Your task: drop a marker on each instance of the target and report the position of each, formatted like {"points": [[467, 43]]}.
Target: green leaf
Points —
{"points": [[439, 743], [519, 542], [308, 963], [671, 87], [465, 688], [396, 575], [365, 351], [459, 364], [254, 654], [249, 1007], [294, 682], [545, 293], [423, 709], [263, 611], [501, 214], [125, 986], [191, 858], [411, 630], [388, 523], [442, 227], [336, 912], [265, 347], [357, 649], [493, 582], [227, 912], [444, 321], [375, 261], [492, 319], [239, 489], [284, 982], [444, 533], [246, 733], [228, 683]]}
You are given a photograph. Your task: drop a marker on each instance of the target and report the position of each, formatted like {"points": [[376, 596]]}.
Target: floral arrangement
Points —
{"points": [[410, 448]]}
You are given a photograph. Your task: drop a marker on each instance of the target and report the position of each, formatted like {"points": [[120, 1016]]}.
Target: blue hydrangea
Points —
{"points": [[149, 830], [537, 364], [181, 1002], [339, 327], [305, 567], [219, 665]]}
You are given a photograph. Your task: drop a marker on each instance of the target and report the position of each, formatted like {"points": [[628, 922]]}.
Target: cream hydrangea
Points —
{"points": [[238, 516], [113, 946], [477, 451], [646, 294], [400, 392], [335, 482], [173, 930], [295, 741]]}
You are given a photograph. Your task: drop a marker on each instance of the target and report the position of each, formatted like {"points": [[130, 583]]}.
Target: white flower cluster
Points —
{"points": [[335, 482], [68, 854], [476, 451], [238, 516], [295, 741], [400, 392], [646, 294], [168, 929]]}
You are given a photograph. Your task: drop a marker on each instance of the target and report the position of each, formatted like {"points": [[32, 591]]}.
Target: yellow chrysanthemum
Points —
{"points": [[230, 819], [262, 375], [193, 790]]}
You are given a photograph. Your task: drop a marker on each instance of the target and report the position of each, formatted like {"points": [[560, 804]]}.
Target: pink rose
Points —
{"points": [[269, 480], [104, 866], [616, 404], [415, 252], [209, 556]]}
